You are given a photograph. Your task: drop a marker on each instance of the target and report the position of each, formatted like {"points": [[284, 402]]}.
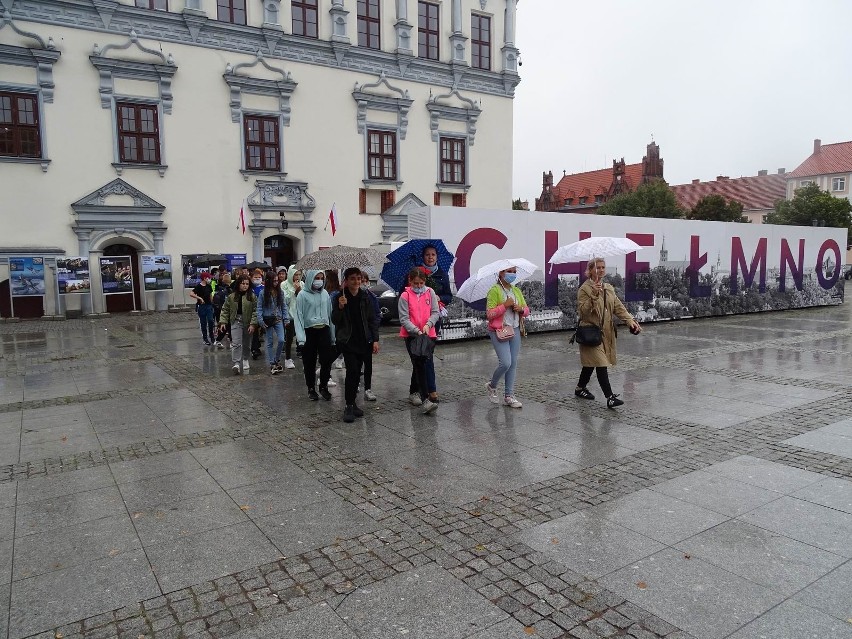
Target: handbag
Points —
{"points": [[505, 333], [270, 320], [422, 346], [589, 335]]}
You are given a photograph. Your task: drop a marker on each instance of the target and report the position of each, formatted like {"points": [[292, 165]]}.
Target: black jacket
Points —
{"points": [[442, 286], [340, 318]]}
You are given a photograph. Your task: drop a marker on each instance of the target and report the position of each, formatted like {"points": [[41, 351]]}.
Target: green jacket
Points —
{"points": [[229, 310]]}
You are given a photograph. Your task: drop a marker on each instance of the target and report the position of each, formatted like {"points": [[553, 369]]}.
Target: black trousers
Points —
{"points": [[368, 370], [418, 366], [289, 336], [354, 361], [603, 378], [318, 347]]}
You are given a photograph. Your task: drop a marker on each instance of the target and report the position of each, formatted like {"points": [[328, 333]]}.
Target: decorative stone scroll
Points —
{"points": [[41, 57], [238, 83], [469, 113], [366, 99]]}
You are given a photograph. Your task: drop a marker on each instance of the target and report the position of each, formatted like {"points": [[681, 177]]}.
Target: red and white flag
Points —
{"points": [[241, 225], [332, 219]]}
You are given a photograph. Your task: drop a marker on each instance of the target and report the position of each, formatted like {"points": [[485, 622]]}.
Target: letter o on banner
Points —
{"points": [[828, 283]]}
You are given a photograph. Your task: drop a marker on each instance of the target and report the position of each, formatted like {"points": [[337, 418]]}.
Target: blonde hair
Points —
{"points": [[591, 265]]}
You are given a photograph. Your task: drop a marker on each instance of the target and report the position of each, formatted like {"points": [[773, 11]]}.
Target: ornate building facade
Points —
{"points": [[143, 126]]}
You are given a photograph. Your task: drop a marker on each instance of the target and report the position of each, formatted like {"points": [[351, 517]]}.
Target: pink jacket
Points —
{"points": [[416, 310]]}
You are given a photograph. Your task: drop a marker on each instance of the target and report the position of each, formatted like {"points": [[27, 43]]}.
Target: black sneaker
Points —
{"points": [[583, 393], [357, 411], [612, 401], [348, 415], [312, 395], [324, 393], [207, 342]]}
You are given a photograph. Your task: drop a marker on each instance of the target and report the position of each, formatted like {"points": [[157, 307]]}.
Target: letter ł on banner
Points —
{"points": [[553, 271], [788, 261], [696, 261], [738, 262], [828, 282], [632, 268], [468, 244]]}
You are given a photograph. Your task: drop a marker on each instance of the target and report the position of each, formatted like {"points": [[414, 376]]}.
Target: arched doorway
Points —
{"points": [[124, 302], [279, 250]]}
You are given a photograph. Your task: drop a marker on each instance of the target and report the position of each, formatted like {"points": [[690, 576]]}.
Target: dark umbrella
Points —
{"points": [[409, 255], [253, 265]]}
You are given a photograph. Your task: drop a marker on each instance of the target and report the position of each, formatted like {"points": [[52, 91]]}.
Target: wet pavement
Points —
{"points": [[147, 492]]}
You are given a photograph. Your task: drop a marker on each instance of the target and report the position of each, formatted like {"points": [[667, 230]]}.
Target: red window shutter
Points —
{"points": [[362, 201], [437, 199], [388, 200], [460, 199]]}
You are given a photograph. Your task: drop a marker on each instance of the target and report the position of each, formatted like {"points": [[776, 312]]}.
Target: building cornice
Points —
{"points": [[248, 40]]}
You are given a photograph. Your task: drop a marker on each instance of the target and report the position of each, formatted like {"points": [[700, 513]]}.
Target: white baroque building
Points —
{"points": [[141, 126]]}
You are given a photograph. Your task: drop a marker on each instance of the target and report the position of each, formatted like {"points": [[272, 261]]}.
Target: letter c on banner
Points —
{"points": [[825, 282], [468, 244]]}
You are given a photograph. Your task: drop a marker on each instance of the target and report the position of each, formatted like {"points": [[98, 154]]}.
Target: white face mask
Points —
{"points": [[257, 282], [318, 284]]}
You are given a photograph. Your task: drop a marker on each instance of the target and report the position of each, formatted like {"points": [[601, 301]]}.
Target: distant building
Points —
{"points": [[585, 192], [757, 194], [829, 166]]}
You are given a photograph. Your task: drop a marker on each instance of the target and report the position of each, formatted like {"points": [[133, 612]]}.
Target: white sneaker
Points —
{"points": [[414, 399], [245, 364], [492, 393], [428, 406], [331, 383], [369, 395], [338, 363], [219, 344], [511, 402], [236, 368], [289, 364]]}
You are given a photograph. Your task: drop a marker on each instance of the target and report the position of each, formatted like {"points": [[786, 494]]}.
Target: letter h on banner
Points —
{"points": [[551, 275]]}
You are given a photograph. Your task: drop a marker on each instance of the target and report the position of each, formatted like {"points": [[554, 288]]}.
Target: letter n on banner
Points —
{"points": [[468, 244], [788, 261], [551, 275], [738, 263], [632, 292]]}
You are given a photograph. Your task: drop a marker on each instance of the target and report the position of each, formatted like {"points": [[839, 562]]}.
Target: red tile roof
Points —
{"points": [[831, 158], [593, 183], [757, 192]]}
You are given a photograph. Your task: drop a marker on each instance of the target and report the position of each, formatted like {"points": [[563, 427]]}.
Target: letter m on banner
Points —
{"points": [[738, 263]]}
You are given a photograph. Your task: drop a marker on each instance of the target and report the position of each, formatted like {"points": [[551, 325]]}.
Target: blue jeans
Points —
{"points": [[278, 330], [507, 360], [205, 318]]}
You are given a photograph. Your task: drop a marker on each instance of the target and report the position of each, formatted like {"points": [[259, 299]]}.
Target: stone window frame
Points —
{"points": [[162, 74], [367, 99], [469, 114], [282, 89], [42, 58]]}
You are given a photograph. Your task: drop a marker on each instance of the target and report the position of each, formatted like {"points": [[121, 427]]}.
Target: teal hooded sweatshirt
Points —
{"points": [[313, 308]]}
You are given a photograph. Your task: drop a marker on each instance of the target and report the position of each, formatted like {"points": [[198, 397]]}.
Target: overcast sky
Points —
{"points": [[726, 87]]}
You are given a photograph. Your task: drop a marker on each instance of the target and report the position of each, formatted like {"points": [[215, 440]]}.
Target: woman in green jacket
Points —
{"points": [[240, 311], [505, 306]]}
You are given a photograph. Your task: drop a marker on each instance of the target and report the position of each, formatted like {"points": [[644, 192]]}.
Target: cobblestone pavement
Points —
{"points": [[147, 492]]}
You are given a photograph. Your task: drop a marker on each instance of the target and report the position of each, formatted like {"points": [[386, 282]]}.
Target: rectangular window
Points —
{"points": [[138, 133], [305, 18], [262, 143], [19, 126], [381, 155], [369, 24], [480, 42], [233, 11], [160, 5], [428, 35], [806, 182], [838, 184], [452, 161]]}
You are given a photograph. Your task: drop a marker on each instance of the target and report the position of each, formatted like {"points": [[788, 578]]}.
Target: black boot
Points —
{"points": [[348, 415], [357, 411], [312, 395]]}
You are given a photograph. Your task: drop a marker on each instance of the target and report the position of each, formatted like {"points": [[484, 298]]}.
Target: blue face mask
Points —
{"points": [[419, 289], [510, 277]]}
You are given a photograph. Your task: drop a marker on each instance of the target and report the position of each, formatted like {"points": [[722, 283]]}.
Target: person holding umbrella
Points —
{"points": [[596, 306], [505, 307]]}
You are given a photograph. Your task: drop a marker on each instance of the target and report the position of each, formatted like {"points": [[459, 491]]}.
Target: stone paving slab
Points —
{"points": [[717, 425]]}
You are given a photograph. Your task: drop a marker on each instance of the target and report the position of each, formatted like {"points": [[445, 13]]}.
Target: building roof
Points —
{"points": [[754, 193], [827, 158], [592, 183]]}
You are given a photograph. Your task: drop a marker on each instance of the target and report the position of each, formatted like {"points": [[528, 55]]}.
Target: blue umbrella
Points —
{"points": [[409, 255]]}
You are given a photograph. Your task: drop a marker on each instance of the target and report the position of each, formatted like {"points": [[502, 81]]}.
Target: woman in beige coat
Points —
{"points": [[596, 305]]}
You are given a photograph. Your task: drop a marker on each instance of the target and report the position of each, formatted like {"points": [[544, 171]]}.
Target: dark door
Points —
{"points": [[279, 249], [123, 302]]}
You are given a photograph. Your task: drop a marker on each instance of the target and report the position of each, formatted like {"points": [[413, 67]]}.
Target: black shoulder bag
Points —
{"points": [[589, 335]]}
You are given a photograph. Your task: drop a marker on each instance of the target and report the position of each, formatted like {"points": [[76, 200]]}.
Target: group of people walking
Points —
{"points": [[292, 305]]}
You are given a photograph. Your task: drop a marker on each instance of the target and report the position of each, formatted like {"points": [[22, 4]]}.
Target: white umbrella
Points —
{"points": [[593, 247], [477, 286]]}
